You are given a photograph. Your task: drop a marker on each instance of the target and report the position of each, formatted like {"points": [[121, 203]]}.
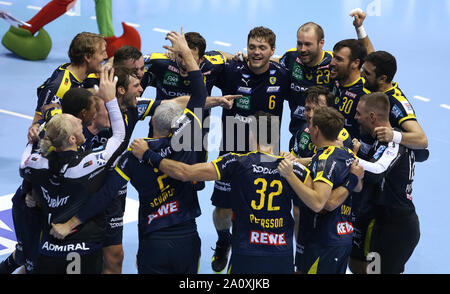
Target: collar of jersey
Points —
{"points": [[394, 85], [353, 83]]}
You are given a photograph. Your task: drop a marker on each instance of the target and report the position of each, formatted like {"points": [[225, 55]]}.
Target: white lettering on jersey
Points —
{"points": [[267, 238], [164, 210]]}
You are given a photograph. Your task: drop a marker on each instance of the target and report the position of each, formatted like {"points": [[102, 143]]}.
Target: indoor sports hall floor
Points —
{"points": [[414, 31]]}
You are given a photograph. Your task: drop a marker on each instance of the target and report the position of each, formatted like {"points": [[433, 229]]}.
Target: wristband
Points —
{"points": [[351, 183], [361, 32], [152, 158], [397, 137]]}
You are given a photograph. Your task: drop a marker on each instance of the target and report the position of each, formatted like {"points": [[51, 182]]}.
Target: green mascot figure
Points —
{"points": [[34, 43]]}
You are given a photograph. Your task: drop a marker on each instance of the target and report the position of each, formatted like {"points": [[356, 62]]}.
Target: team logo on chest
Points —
{"points": [[244, 102], [297, 72], [171, 79]]}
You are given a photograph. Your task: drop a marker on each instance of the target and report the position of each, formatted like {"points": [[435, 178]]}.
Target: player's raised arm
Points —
{"points": [[198, 88], [358, 19]]}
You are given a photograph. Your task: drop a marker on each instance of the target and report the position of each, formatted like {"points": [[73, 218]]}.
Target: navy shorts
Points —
{"points": [[395, 236], [114, 217], [362, 234], [91, 263], [169, 254], [247, 264], [319, 259]]}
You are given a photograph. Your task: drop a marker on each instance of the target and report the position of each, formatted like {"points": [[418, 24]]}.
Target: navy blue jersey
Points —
{"points": [[334, 228], [64, 181], [262, 201], [303, 77], [54, 88], [265, 92], [93, 141], [347, 98], [164, 74], [92, 80], [304, 147], [164, 202]]}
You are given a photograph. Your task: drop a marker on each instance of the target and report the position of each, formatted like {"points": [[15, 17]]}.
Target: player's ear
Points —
{"points": [[382, 78], [121, 90], [356, 63], [72, 139], [87, 58], [321, 43]]}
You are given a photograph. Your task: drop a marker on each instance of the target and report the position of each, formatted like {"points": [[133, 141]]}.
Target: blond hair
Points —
{"points": [[57, 132]]}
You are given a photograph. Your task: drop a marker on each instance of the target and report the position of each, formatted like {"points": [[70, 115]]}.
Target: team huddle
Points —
{"points": [[340, 197]]}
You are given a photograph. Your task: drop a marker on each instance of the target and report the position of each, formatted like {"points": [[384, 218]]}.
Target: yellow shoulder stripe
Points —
{"points": [[158, 56], [329, 52], [149, 107], [189, 111], [121, 173], [320, 177], [215, 59], [65, 85], [343, 135], [214, 162]]}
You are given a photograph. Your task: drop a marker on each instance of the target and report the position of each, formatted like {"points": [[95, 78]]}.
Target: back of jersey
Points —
{"points": [[331, 165], [262, 202]]}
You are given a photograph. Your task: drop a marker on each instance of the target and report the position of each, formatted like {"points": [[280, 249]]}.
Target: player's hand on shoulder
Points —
{"points": [[384, 134], [288, 155], [356, 145], [138, 147], [285, 168], [33, 133], [240, 56], [357, 169]]}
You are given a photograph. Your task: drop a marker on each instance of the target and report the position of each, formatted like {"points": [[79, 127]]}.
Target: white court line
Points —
{"points": [[5, 201], [445, 106], [133, 24], [16, 114], [422, 98], [34, 7], [5, 3], [161, 30], [93, 17], [222, 43]]}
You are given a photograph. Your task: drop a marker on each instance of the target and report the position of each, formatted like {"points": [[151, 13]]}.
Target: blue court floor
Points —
{"points": [[414, 31]]}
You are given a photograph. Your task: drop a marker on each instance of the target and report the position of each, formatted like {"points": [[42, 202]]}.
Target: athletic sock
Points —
{"points": [[224, 237]]}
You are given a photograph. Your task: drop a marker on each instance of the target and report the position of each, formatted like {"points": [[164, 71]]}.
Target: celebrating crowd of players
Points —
{"points": [[342, 194]]}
